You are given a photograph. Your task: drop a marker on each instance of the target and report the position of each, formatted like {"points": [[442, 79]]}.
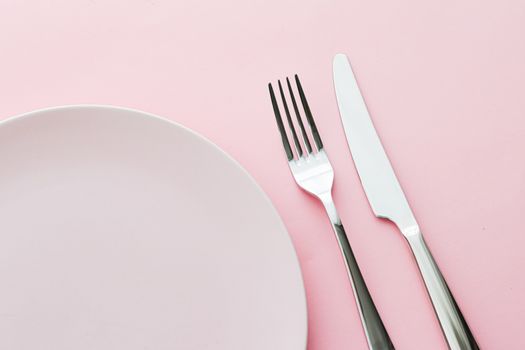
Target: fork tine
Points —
{"points": [[309, 116], [290, 123], [280, 124], [298, 116]]}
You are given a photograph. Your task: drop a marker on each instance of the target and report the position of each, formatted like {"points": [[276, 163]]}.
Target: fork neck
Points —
{"points": [[329, 205]]}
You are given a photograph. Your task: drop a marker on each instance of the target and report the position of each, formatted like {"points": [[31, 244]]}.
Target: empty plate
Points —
{"points": [[122, 230]]}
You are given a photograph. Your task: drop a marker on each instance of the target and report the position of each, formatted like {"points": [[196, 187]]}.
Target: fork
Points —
{"points": [[313, 172]]}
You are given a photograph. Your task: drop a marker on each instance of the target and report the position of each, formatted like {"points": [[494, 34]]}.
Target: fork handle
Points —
{"points": [[453, 324], [376, 334]]}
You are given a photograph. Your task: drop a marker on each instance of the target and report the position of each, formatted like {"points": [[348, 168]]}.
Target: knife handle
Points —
{"points": [[376, 334], [453, 324]]}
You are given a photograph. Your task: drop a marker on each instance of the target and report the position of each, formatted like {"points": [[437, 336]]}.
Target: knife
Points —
{"points": [[388, 200]]}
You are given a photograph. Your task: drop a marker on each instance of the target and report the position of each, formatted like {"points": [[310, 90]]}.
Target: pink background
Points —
{"points": [[444, 82]]}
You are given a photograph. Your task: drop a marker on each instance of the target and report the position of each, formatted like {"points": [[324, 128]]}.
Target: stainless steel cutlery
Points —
{"points": [[313, 172], [388, 200]]}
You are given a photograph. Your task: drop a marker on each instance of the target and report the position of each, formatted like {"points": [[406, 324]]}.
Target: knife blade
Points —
{"points": [[375, 171], [388, 200]]}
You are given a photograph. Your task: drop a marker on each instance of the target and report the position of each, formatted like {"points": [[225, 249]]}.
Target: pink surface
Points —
{"points": [[444, 82]]}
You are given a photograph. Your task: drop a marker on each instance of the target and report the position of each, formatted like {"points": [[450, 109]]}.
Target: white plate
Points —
{"points": [[122, 230]]}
